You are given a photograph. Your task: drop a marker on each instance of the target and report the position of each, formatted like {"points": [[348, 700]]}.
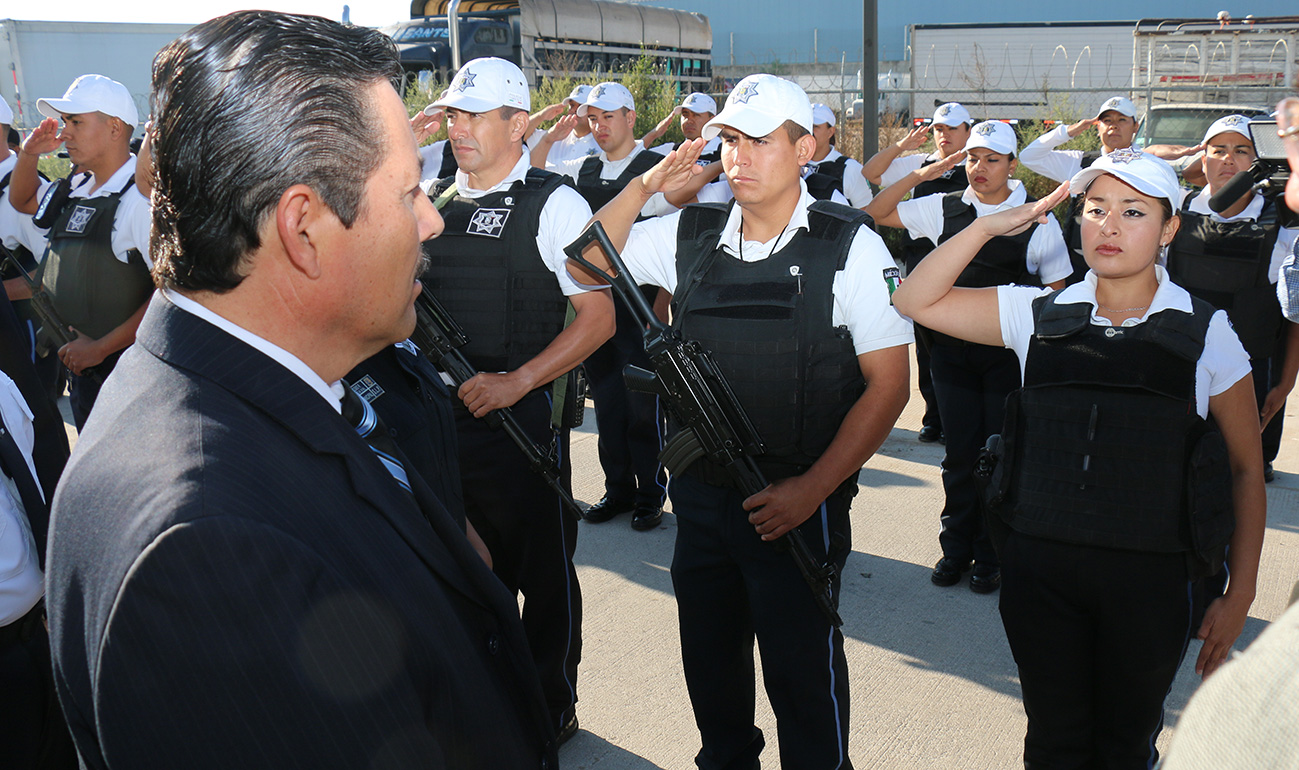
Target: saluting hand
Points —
{"points": [[675, 170], [552, 111], [1017, 220], [1081, 126], [562, 128], [44, 139], [938, 168], [426, 126], [915, 139]]}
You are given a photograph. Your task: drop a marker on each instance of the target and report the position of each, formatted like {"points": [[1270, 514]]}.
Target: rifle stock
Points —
{"points": [[714, 422], [439, 339]]}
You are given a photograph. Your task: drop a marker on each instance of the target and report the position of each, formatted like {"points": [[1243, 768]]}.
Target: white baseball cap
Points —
{"points": [[994, 135], [952, 114], [700, 104], [578, 94], [759, 105], [1119, 104], [93, 93], [607, 97], [822, 114], [6, 114], [1231, 123], [1141, 170], [484, 84]]}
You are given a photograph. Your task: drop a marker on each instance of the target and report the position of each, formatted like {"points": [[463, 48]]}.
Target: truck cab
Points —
{"points": [[425, 43]]}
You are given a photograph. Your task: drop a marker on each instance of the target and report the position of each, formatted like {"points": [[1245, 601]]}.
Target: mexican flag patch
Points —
{"points": [[892, 277]]}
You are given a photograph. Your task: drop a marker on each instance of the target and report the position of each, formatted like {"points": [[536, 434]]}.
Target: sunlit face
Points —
{"points": [[692, 123], [483, 142], [1226, 155], [822, 133], [1122, 228], [988, 171], [613, 130], [950, 139], [92, 136], [1116, 130], [762, 168], [379, 258]]}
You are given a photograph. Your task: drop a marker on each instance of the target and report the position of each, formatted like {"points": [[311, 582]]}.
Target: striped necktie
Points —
{"points": [[361, 416]]}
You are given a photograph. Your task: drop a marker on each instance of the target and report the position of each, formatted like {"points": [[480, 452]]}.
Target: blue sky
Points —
{"points": [[372, 13]]}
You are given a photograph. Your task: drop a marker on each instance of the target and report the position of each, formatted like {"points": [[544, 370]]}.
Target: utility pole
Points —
{"points": [[870, 124]]}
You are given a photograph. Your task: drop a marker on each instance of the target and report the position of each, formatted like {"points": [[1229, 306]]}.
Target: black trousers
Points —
{"points": [[33, 733], [531, 538], [630, 425], [1267, 373], [971, 382], [925, 383], [1098, 635], [732, 587]]}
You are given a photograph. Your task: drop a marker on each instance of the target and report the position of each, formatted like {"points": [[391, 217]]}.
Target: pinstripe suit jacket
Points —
{"points": [[236, 582]]}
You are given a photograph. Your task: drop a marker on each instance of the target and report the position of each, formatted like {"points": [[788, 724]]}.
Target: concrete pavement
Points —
{"points": [[933, 681]]}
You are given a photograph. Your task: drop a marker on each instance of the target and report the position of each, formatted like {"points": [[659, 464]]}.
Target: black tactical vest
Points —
{"points": [[599, 191], [486, 270], [91, 289], [1104, 428], [710, 157], [914, 250], [1001, 261], [1071, 229], [827, 179], [1227, 265], [769, 326], [449, 164]]}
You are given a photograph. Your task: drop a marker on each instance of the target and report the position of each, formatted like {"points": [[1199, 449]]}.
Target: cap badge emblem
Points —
{"points": [[987, 129], [745, 92], [944, 111], [464, 82], [1234, 120], [1125, 155]]}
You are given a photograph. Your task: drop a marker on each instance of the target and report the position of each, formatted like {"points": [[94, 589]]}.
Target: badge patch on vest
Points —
{"points": [[367, 389], [489, 222], [80, 219], [892, 277]]}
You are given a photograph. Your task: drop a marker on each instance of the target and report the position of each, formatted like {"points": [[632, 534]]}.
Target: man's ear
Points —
{"points": [[518, 126], [631, 119], [805, 148], [300, 219]]}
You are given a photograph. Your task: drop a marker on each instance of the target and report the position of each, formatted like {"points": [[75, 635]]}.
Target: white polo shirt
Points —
{"points": [[21, 579], [904, 165], [18, 229], [1041, 156], [1047, 256], [861, 290], [1223, 363]]}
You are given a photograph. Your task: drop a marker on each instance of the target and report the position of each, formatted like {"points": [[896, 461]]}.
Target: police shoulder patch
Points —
{"points": [[892, 279]]}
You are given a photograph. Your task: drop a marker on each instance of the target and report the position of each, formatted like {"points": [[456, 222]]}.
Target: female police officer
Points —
{"points": [[1099, 551]]}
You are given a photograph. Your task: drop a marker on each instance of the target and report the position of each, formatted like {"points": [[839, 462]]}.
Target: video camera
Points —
{"points": [[1267, 176]]}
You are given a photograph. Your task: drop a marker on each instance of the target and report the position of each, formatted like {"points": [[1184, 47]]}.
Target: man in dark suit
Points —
{"points": [[236, 578]]}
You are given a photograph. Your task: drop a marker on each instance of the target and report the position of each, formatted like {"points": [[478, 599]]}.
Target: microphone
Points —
{"points": [[1238, 186]]}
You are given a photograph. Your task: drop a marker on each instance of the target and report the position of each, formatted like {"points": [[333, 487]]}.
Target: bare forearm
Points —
{"points": [[123, 335], [883, 208], [591, 327], [874, 168]]}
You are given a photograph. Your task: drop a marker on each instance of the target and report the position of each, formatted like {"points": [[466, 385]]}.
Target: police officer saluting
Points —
{"points": [[695, 111], [1232, 260], [825, 281], [972, 381], [951, 130], [830, 170], [498, 268], [97, 270]]}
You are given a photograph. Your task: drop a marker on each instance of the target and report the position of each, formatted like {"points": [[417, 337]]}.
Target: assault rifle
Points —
{"points": [[52, 324], [714, 424], [440, 338]]}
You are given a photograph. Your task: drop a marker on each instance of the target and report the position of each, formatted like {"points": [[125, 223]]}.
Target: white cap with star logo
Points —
{"points": [[1238, 124], [482, 85], [1139, 170], [607, 97], [761, 104], [1120, 104]]}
